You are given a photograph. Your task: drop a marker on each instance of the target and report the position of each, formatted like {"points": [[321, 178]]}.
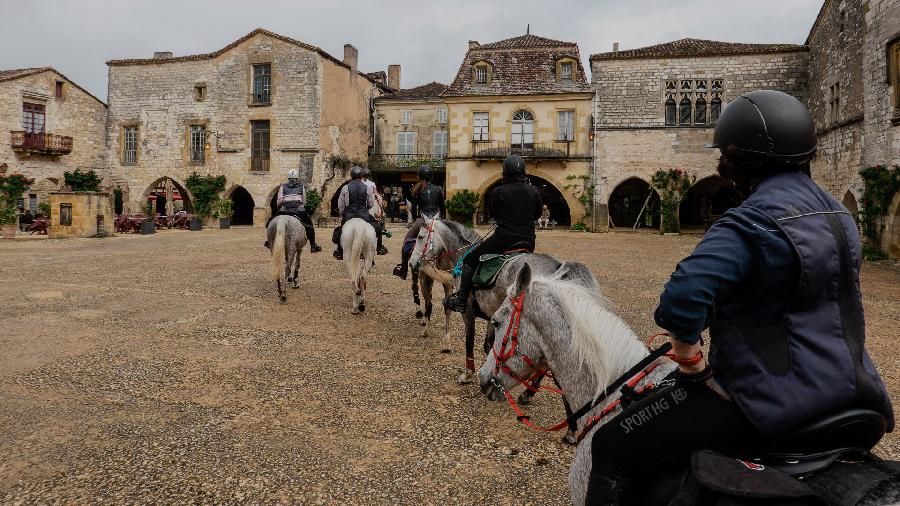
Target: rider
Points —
{"points": [[292, 201], [354, 201], [515, 206], [429, 201], [776, 280]]}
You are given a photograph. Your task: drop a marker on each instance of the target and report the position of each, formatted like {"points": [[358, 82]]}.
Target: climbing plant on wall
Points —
{"points": [[880, 184], [673, 185], [581, 188], [82, 181], [205, 192]]}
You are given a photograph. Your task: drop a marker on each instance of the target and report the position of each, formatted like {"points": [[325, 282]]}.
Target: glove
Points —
{"points": [[704, 378]]}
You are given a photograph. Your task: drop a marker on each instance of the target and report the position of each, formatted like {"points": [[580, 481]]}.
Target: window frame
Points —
{"points": [[481, 133], [893, 64], [442, 115], [526, 129], [260, 148], [569, 134], [685, 101], [59, 90], [65, 214], [30, 113], [197, 144], [409, 145], [444, 135], [481, 74], [405, 117], [562, 73], [130, 144], [261, 84], [199, 92]]}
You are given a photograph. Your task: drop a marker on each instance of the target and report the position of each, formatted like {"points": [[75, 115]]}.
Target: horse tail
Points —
{"points": [[278, 253], [356, 265]]}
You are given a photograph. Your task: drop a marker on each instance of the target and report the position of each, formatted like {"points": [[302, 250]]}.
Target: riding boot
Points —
{"points": [[460, 300], [402, 269], [609, 491], [311, 235], [381, 250]]}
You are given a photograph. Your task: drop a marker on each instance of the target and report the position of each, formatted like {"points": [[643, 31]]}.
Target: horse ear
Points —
{"points": [[523, 278]]}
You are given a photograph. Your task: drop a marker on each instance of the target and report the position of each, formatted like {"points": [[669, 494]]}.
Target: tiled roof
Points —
{"points": [[524, 65], [430, 90], [207, 56], [9, 75], [697, 47]]}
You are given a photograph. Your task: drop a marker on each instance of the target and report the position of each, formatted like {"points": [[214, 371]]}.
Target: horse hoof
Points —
{"points": [[423, 322], [570, 439], [295, 286], [362, 308], [283, 299], [354, 311], [420, 315], [466, 378]]}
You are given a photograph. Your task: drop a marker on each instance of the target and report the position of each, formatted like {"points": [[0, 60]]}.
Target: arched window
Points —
{"points": [[522, 130], [671, 112], [700, 111], [684, 111], [715, 108]]}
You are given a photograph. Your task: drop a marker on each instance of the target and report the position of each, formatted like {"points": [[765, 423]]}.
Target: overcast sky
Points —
{"points": [[428, 38]]}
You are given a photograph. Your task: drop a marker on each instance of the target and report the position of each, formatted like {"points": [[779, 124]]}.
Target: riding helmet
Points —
{"points": [[355, 172], [513, 166], [424, 173], [768, 125], [366, 173], [293, 175]]}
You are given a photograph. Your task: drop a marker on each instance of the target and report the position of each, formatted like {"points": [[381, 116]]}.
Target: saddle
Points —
{"points": [[489, 267]]}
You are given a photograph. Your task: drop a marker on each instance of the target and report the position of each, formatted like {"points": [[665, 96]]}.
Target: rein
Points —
{"points": [[428, 247]]}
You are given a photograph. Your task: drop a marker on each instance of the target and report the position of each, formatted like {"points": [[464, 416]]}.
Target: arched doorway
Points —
{"points": [[241, 206], [627, 203], [849, 202], [708, 199], [550, 196], [165, 196]]}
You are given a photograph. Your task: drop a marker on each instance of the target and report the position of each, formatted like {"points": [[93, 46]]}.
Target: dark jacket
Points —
{"points": [[516, 206], [429, 200], [293, 195], [777, 282], [358, 201]]}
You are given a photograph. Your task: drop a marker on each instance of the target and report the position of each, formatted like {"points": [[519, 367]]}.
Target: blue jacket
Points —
{"points": [[777, 281]]}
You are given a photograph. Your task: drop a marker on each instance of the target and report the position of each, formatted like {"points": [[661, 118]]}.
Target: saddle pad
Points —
{"points": [[489, 266]]}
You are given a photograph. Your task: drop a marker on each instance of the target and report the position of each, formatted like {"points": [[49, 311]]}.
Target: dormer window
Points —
{"points": [[565, 71], [481, 74]]}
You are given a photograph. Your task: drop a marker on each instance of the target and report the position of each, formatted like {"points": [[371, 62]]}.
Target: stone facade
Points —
{"points": [[632, 138], [87, 214], [74, 113], [316, 107]]}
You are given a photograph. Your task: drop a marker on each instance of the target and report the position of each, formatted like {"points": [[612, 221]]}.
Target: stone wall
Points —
{"points": [[423, 121], [77, 114], [92, 214]]}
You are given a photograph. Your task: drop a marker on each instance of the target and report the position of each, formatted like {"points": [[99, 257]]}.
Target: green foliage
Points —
{"points": [[880, 185], [44, 209], [313, 200], [205, 192], [872, 254], [673, 185], [223, 208], [578, 227], [462, 205], [343, 162], [81, 181], [582, 191], [12, 187]]}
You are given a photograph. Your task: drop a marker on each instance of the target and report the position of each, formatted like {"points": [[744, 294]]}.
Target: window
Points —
{"points": [[442, 116], [565, 71], [65, 214], [59, 89], [834, 103], [565, 126], [198, 144], [522, 130], [129, 145], [404, 119], [894, 69], [33, 118], [481, 74], [684, 111], [200, 92], [700, 111], [259, 145], [671, 112], [262, 84], [439, 145], [480, 124], [32, 203], [406, 145], [715, 109]]}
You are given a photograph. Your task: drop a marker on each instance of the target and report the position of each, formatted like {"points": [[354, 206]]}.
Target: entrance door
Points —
{"points": [[33, 122]]}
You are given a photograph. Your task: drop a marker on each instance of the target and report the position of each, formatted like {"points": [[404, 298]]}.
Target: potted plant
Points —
{"points": [[9, 218], [147, 226], [224, 210], [461, 207], [205, 191], [12, 187]]}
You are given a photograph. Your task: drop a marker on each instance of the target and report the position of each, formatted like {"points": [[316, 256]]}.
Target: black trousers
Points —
{"points": [[661, 430], [498, 243], [305, 219]]}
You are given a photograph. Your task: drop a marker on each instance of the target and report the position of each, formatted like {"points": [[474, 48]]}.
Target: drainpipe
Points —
{"points": [[595, 120]]}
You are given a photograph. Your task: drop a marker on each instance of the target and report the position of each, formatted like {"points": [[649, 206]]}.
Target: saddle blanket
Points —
{"points": [[489, 266]]}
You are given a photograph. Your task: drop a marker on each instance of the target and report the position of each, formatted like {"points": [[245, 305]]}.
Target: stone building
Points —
{"points": [[51, 125], [656, 108], [526, 95], [252, 110], [410, 129]]}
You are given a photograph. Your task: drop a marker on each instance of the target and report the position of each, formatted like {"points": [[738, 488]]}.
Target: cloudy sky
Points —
{"points": [[428, 38]]}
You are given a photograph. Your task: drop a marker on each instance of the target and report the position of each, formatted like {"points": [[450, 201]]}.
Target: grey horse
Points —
{"points": [[287, 237]]}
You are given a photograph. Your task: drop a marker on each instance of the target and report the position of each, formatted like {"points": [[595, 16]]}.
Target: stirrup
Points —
{"points": [[455, 303]]}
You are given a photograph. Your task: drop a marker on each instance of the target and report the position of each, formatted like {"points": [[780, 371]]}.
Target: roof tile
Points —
{"points": [[697, 47]]}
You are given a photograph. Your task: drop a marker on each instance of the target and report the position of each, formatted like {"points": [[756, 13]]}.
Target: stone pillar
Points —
{"points": [[260, 215], [601, 217]]}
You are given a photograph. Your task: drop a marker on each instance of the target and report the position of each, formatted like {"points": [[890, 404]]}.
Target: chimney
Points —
{"points": [[615, 47], [351, 56], [161, 55], [473, 44], [394, 76]]}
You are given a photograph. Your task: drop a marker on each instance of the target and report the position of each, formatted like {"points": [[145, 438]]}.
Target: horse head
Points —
{"points": [[428, 242]]}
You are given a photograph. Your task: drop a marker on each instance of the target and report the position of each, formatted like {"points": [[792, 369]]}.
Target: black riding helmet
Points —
{"points": [[767, 125], [513, 166], [424, 173], [356, 172]]}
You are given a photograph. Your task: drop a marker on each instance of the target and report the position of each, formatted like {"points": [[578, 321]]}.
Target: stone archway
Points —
{"points": [[890, 238], [551, 196], [627, 203], [849, 201], [706, 200], [242, 205], [166, 196], [334, 201]]}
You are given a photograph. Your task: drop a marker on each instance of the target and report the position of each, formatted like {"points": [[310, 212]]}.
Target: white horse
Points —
{"points": [[287, 237], [358, 242]]}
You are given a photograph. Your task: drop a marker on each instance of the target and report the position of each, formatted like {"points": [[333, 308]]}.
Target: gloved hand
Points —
{"points": [[704, 377]]}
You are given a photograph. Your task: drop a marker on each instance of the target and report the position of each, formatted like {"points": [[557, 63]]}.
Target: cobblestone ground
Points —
{"points": [[161, 369]]}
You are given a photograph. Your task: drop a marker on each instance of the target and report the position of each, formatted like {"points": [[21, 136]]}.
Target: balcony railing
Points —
{"points": [[400, 162], [554, 150], [43, 143]]}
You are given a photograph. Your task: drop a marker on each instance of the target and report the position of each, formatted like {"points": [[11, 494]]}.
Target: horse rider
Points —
{"points": [[428, 201], [292, 201], [354, 201], [776, 280], [515, 206]]}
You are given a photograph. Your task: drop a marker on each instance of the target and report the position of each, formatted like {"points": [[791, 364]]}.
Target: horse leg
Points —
{"points": [[571, 437], [489, 339], [281, 296], [415, 291], [297, 266], [445, 341], [468, 376], [425, 285]]}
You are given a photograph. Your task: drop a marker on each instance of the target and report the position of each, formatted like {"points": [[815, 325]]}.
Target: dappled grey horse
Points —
{"points": [[286, 237]]}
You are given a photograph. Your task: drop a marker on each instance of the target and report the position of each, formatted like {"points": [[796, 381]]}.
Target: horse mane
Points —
{"points": [[602, 341], [465, 233]]}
